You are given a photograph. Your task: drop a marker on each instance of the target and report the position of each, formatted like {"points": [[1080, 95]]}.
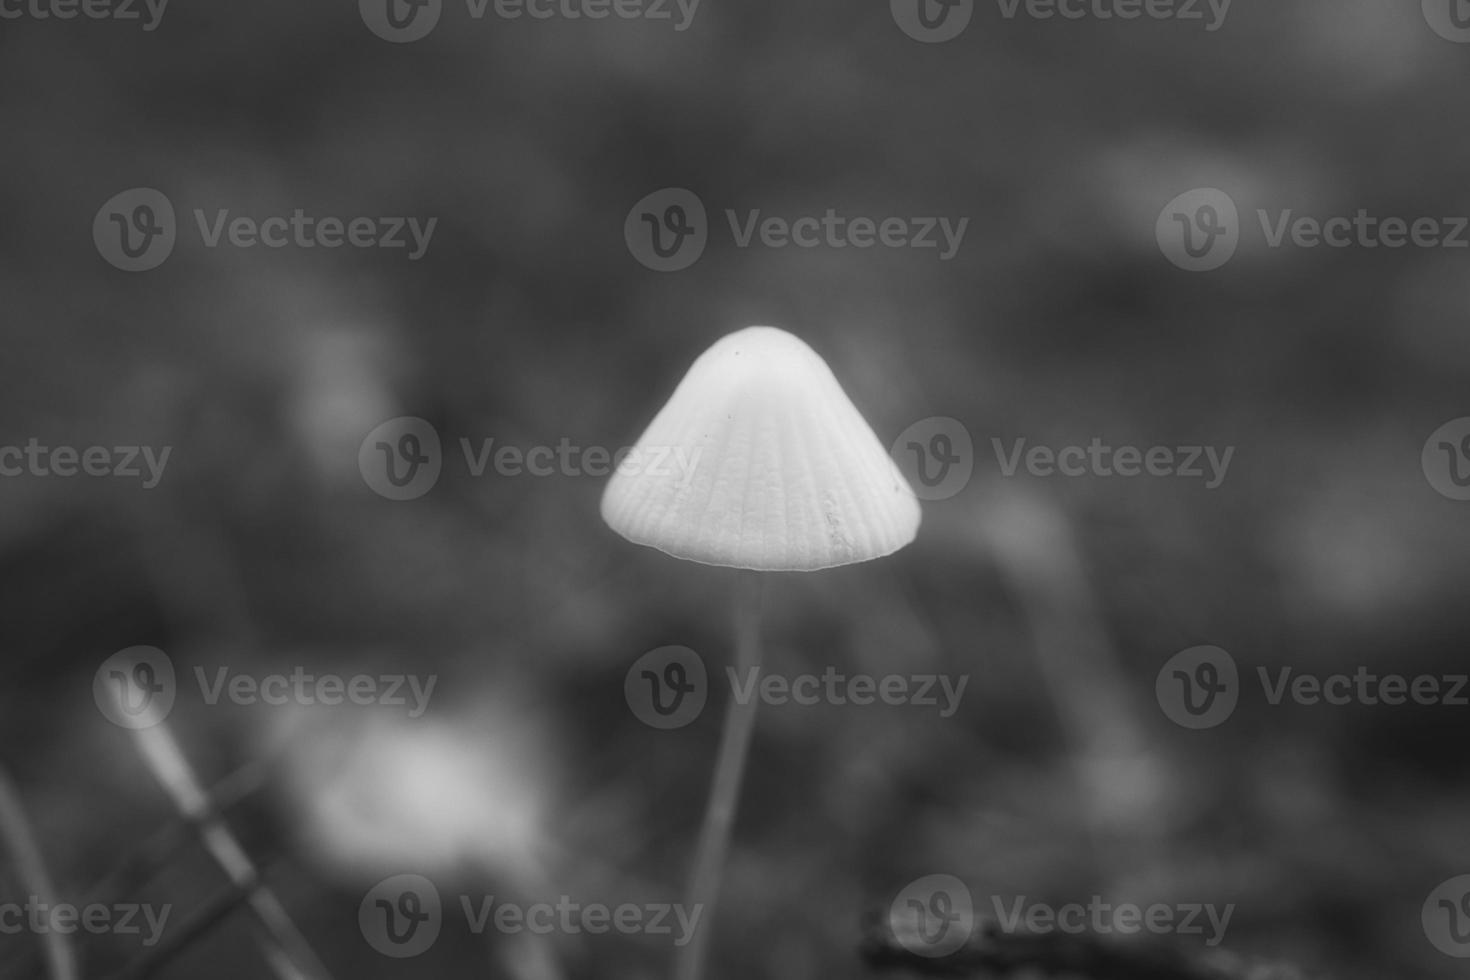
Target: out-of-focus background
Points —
{"points": [[1332, 543]]}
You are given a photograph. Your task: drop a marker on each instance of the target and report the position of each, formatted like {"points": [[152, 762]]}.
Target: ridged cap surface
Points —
{"points": [[760, 460]]}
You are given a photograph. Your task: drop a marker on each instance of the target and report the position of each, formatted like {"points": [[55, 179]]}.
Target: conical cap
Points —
{"points": [[759, 460]]}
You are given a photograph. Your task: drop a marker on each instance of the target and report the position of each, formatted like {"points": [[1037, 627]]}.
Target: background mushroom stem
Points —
{"points": [[719, 814], [284, 946], [25, 853]]}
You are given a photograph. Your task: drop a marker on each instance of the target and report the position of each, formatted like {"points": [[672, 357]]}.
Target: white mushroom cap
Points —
{"points": [[759, 460]]}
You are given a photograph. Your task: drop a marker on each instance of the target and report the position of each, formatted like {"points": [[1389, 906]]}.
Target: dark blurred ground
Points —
{"points": [[528, 321]]}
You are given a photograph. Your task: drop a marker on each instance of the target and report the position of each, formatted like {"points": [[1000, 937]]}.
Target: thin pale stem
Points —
{"points": [[196, 928], [290, 955], [61, 963], [719, 815]]}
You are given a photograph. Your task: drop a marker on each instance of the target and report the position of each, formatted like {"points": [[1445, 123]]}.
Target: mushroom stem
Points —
{"points": [[719, 814], [25, 854]]}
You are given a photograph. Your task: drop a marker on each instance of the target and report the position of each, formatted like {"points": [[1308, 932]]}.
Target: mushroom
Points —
{"points": [[758, 461]]}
